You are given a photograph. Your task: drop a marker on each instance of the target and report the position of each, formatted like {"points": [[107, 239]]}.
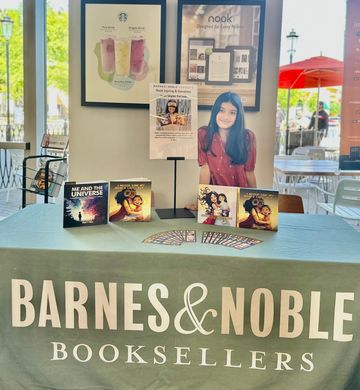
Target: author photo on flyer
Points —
{"points": [[226, 148]]}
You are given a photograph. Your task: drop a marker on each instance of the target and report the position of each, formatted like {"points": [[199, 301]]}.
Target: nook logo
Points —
{"points": [[220, 19]]}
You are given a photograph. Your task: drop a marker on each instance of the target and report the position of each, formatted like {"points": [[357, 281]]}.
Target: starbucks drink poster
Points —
{"points": [[122, 47]]}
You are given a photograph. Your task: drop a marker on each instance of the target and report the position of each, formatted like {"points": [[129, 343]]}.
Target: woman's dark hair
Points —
{"points": [[207, 197], [120, 197], [252, 202], [172, 102], [124, 194], [237, 144]]}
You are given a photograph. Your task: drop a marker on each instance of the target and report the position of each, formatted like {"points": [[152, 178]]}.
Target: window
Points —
{"points": [[57, 66], [11, 72]]}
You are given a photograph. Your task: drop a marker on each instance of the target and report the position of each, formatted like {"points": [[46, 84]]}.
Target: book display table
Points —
{"points": [[96, 308]]}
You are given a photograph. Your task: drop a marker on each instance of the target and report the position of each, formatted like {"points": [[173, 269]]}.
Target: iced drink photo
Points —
{"points": [[122, 57], [107, 55], [137, 56]]}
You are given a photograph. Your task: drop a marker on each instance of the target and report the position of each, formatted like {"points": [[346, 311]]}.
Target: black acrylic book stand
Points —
{"points": [[174, 212]]}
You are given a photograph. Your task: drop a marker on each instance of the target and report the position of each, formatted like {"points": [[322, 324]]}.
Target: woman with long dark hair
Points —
{"points": [[227, 150]]}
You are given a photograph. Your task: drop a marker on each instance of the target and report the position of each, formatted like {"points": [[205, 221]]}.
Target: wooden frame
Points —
{"points": [[233, 25], [122, 51]]}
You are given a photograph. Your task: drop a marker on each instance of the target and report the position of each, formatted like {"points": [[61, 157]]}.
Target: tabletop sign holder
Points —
{"points": [[174, 212]]}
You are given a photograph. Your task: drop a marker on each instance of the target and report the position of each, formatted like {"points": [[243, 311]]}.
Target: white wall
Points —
{"points": [[113, 143]]}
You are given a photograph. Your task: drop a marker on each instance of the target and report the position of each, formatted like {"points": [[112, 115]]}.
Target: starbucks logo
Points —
{"points": [[123, 17]]}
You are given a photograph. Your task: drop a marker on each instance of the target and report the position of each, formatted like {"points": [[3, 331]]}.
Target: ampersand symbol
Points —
{"points": [[188, 308]]}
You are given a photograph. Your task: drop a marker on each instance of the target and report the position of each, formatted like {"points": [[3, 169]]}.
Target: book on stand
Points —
{"points": [[217, 205], [130, 200], [85, 204], [258, 209], [57, 175]]}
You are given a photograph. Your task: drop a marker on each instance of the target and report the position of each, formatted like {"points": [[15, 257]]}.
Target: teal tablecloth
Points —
{"points": [[95, 308]]}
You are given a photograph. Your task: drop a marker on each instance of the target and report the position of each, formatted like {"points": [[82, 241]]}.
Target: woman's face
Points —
{"points": [[226, 116], [213, 198]]}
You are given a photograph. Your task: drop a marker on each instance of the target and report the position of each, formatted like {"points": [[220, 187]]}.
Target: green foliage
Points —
{"points": [[16, 65], [297, 97], [57, 53], [335, 108], [307, 99], [57, 49]]}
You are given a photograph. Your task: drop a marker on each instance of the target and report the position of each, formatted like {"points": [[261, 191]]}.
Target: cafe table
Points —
{"points": [[97, 308], [289, 173]]}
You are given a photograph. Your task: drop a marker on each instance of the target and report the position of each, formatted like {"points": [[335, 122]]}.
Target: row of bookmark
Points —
{"points": [[177, 237]]}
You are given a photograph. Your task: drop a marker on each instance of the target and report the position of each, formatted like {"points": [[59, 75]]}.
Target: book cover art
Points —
{"points": [[258, 209], [85, 204], [217, 205], [130, 200], [57, 175]]}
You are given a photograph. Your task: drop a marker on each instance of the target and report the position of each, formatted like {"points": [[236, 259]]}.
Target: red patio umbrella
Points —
{"points": [[314, 72]]}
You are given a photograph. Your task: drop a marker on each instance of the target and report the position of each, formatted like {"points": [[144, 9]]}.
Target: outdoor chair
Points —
{"points": [[346, 199], [311, 153], [291, 204], [287, 185]]}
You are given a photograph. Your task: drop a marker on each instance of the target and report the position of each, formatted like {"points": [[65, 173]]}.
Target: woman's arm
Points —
{"points": [[257, 219], [251, 179], [127, 207], [204, 177]]}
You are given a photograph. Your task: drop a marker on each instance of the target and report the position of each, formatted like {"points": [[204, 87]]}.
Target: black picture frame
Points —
{"points": [[233, 25], [122, 51]]}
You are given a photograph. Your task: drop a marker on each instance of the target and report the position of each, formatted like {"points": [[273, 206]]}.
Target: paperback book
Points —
{"points": [[258, 209], [85, 204], [130, 200], [217, 205]]}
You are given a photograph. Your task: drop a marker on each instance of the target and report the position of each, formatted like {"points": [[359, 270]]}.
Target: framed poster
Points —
{"points": [[122, 51], [173, 121], [234, 27]]}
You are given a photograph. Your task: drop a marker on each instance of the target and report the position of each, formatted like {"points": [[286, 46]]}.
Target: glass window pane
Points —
{"points": [[57, 66], [11, 71]]}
